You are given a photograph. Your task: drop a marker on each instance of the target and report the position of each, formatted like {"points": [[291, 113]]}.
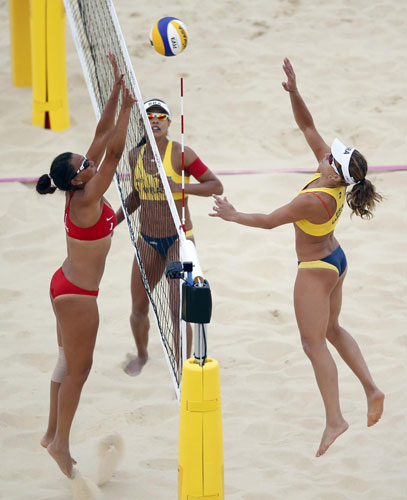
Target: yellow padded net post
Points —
{"points": [[200, 461], [20, 42], [50, 93]]}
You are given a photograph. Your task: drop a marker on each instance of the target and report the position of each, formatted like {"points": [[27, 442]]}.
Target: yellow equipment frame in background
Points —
{"points": [[20, 42], [39, 58]]}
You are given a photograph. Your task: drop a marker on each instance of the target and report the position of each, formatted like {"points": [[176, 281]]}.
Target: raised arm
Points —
{"points": [[302, 115], [299, 208], [106, 123], [97, 186]]}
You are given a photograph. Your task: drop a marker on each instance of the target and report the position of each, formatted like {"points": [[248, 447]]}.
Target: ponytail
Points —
{"points": [[363, 197], [44, 185], [61, 174]]}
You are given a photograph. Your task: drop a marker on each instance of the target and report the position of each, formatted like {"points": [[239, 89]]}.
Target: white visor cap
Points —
{"points": [[342, 155], [159, 104]]}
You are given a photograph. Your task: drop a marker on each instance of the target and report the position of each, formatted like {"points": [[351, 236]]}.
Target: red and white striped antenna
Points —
{"points": [[182, 157]]}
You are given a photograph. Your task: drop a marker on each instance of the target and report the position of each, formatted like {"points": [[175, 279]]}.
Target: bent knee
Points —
{"points": [[139, 315], [80, 374], [79, 378], [333, 333], [140, 306], [312, 347]]}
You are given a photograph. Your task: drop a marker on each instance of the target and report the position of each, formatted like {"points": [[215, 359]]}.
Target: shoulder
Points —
{"points": [[83, 198], [176, 146], [306, 205], [189, 154]]}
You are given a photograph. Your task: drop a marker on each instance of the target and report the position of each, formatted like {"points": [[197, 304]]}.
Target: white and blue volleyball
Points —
{"points": [[169, 36]]}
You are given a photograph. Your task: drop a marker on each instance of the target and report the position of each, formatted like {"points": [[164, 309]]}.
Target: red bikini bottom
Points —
{"points": [[61, 286]]}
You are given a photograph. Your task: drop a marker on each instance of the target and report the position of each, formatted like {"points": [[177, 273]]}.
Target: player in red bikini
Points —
{"points": [[89, 223]]}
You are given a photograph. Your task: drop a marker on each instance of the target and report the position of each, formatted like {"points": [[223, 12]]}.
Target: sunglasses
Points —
{"points": [[160, 116], [84, 165], [336, 167]]}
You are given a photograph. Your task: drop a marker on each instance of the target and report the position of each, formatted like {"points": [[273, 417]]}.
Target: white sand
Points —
{"points": [[350, 59]]}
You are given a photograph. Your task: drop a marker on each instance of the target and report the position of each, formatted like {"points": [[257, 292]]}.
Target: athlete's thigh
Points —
{"points": [[78, 319], [173, 253], [59, 334], [312, 300], [336, 301], [153, 264]]}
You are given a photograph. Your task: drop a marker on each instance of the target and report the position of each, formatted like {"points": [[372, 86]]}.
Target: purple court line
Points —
{"points": [[390, 168]]}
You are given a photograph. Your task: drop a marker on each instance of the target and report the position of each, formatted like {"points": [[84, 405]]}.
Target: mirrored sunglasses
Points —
{"points": [[84, 165], [160, 116]]}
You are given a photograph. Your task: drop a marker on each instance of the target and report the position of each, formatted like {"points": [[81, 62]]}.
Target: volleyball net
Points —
{"points": [[96, 31]]}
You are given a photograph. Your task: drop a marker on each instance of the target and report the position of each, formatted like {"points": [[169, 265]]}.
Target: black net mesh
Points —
{"points": [[96, 32]]}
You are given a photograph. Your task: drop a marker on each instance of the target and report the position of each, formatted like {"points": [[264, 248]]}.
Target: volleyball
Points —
{"points": [[169, 36]]}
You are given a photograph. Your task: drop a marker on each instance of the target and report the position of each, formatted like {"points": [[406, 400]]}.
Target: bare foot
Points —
{"points": [[62, 458], [135, 365], [329, 436], [46, 441], [374, 407]]}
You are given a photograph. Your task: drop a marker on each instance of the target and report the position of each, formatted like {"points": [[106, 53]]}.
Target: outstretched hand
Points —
{"points": [[290, 85], [127, 97], [118, 76], [223, 209]]}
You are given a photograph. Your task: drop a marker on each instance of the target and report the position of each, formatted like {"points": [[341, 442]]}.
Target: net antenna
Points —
{"points": [[96, 31]]}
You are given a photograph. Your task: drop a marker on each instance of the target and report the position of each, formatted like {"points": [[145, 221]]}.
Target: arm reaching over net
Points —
{"points": [[117, 138], [106, 123]]}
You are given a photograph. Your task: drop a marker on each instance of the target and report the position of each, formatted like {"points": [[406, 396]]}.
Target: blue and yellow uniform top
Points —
{"points": [[149, 186], [327, 227]]}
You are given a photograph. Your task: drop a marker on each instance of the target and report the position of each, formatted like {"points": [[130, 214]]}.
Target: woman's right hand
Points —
{"points": [[223, 209], [290, 85], [118, 76]]}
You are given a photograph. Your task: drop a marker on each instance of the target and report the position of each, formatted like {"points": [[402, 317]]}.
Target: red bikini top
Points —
{"points": [[103, 227]]}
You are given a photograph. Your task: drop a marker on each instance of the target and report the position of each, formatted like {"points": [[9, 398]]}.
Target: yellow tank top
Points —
{"points": [[322, 229], [149, 186]]}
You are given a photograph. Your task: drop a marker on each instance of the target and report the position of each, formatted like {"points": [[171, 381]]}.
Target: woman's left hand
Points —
{"points": [[223, 209]]}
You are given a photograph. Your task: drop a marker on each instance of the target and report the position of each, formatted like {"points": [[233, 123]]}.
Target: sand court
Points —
{"points": [[349, 58]]}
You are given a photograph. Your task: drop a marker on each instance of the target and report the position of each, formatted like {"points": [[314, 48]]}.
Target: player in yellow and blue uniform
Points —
{"points": [[315, 212], [157, 229]]}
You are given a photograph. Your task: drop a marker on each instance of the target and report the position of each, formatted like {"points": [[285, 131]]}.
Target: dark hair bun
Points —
{"points": [[44, 185]]}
